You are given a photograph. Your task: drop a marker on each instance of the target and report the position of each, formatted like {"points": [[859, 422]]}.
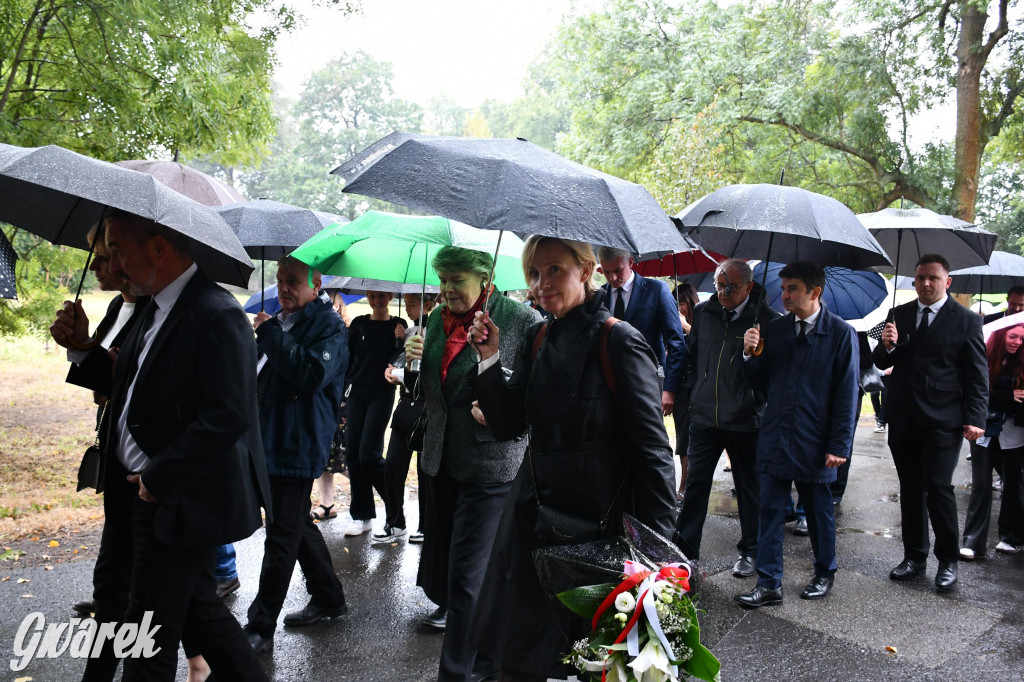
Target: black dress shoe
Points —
{"points": [[800, 529], [818, 587], [313, 613], [744, 567], [908, 568], [226, 587], [84, 608], [759, 596], [258, 642], [945, 578]]}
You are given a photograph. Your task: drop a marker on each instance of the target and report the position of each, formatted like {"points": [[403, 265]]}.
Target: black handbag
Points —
{"points": [[560, 527], [871, 380], [91, 470]]}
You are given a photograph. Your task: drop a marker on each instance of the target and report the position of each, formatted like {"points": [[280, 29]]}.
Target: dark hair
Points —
{"points": [[995, 353], [686, 293], [811, 274], [933, 258], [1017, 290]]}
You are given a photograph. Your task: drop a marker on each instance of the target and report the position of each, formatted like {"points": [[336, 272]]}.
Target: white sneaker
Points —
{"points": [[967, 553], [416, 537], [388, 534], [1007, 548], [880, 428], [357, 527]]}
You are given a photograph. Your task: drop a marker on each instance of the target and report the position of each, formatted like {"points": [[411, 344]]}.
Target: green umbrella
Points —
{"points": [[399, 248]]}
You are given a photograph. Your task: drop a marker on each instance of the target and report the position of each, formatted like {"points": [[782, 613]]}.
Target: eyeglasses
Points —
{"points": [[727, 289]]}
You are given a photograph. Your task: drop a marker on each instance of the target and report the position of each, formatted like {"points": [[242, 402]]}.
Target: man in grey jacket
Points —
{"points": [[725, 411]]}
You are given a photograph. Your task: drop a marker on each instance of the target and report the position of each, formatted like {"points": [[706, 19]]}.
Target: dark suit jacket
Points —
{"points": [[193, 412], [940, 379], [653, 312], [993, 317], [96, 371], [812, 388]]}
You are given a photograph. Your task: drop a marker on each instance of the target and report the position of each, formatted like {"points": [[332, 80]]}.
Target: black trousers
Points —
{"points": [[291, 537], [467, 516], [979, 509], [399, 456], [706, 445], [177, 585], [112, 574], [925, 459], [366, 419]]}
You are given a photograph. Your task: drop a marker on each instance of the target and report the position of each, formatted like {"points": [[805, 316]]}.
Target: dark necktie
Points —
{"points": [[620, 304], [923, 327], [804, 324], [138, 340]]}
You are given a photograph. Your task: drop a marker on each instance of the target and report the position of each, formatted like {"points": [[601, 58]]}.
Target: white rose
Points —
{"points": [[624, 602]]}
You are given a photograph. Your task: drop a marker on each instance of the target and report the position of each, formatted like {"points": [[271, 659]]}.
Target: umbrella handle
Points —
{"points": [[760, 343]]}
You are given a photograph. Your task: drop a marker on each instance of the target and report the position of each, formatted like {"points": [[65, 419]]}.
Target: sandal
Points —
{"points": [[323, 512]]}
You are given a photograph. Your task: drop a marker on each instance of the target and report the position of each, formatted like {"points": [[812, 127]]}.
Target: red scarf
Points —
{"points": [[456, 329]]}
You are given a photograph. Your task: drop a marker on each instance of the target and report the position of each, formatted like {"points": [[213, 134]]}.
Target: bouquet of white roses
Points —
{"points": [[644, 629]]}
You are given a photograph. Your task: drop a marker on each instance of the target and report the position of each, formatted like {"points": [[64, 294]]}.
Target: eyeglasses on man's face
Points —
{"points": [[727, 289]]}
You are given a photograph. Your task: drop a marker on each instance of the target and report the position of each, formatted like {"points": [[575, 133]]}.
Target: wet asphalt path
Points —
{"points": [[975, 633]]}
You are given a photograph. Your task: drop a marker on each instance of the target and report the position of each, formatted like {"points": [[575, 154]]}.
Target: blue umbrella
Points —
{"points": [[268, 299], [850, 294]]}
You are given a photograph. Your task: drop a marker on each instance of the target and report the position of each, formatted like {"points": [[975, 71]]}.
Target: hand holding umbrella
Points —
{"points": [[752, 344]]}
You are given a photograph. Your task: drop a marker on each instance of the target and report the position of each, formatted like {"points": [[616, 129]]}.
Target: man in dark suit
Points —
{"points": [[185, 470], [937, 396], [648, 306], [1014, 304], [809, 370]]}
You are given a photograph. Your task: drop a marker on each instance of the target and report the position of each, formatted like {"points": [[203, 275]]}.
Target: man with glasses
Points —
{"points": [[725, 411]]}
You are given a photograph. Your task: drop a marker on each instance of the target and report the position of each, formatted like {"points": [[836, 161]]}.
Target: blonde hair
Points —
{"points": [[582, 252]]}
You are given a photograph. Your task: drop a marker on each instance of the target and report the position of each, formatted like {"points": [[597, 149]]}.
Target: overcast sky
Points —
{"points": [[469, 49]]}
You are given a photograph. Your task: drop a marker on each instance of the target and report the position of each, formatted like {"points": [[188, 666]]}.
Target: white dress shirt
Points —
{"points": [[128, 451], [627, 291]]}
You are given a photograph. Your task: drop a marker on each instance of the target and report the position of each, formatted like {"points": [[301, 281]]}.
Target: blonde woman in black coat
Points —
{"points": [[595, 452]]}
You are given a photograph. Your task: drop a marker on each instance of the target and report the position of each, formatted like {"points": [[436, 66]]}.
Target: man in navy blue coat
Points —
{"points": [[303, 358], [809, 369], [647, 305]]}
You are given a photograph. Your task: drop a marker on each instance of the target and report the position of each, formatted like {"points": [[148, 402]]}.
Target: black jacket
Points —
{"points": [[193, 413], [96, 371], [939, 380], [720, 395]]}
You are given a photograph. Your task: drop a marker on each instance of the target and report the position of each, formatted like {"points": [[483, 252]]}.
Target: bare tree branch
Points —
{"points": [[17, 55]]}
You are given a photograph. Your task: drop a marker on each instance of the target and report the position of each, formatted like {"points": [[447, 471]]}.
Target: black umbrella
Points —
{"points": [[59, 195], [7, 260], [270, 229], [501, 184], [783, 224], [907, 234], [748, 221]]}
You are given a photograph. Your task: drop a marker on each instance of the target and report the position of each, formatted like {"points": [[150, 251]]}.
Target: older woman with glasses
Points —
{"points": [[468, 467], [590, 393]]}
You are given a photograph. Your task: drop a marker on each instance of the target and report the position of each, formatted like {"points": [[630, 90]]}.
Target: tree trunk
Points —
{"points": [[970, 61]]}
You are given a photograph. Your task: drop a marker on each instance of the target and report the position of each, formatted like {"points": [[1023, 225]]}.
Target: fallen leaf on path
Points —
{"points": [[54, 543]]}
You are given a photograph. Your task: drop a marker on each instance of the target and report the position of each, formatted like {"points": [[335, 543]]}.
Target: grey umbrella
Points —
{"points": [[7, 259], [501, 184], [270, 229], [748, 221], [907, 234], [58, 194], [205, 189], [360, 285]]}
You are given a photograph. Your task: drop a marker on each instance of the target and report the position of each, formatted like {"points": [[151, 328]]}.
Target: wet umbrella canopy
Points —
{"points": [[269, 229], [1003, 271], [497, 184], [743, 221], [7, 260], [59, 195], [850, 294], [907, 234], [196, 185]]}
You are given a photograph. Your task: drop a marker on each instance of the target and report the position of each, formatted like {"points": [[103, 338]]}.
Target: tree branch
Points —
{"points": [[838, 145], [995, 36], [1016, 89], [17, 55]]}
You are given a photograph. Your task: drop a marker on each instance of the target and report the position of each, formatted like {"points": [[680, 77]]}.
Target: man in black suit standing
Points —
{"points": [[185, 466], [938, 395], [1014, 304], [647, 304]]}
